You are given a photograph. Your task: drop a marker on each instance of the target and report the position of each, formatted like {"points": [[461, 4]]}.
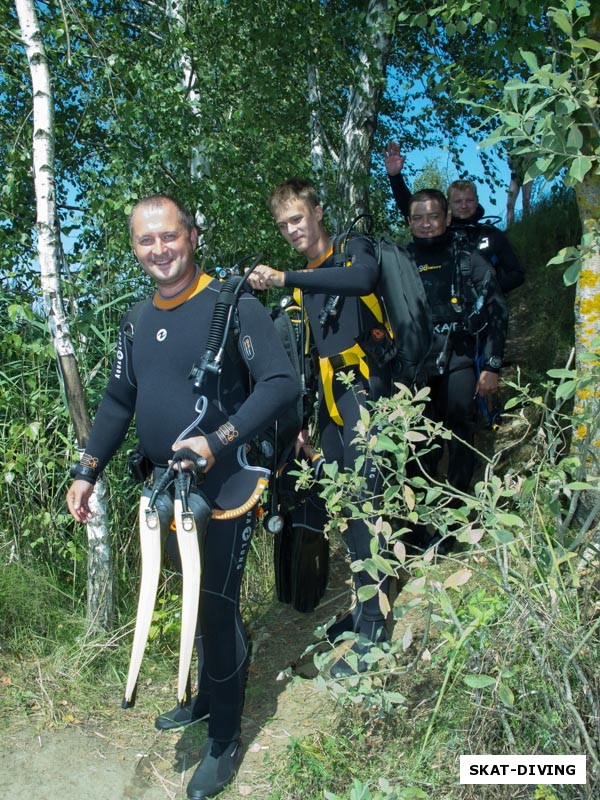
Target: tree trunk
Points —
{"points": [[360, 122], [199, 161], [99, 552], [587, 328], [318, 146]]}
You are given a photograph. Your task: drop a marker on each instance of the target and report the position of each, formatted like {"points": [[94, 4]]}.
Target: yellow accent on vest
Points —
{"points": [[353, 356]]}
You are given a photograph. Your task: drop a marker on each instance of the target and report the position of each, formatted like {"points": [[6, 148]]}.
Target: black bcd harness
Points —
{"points": [[273, 446]]}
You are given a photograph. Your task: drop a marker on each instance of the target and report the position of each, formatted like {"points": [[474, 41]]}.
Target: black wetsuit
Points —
{"points": [[489, 240], [338, 406], [150, 380], [450, 368]]}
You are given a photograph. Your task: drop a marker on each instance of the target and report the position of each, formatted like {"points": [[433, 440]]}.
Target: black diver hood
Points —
{"points": [[430, 242]]}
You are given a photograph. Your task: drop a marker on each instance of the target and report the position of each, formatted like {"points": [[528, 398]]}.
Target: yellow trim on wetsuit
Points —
{"points": [[371, 301], [199, 283], [353, 356], [328, 366]]}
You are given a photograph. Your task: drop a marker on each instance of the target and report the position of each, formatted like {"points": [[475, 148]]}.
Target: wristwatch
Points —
{"points": [[79, 472], [493, 362]]}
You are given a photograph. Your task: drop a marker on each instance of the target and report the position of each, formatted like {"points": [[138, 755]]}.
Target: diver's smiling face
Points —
{"points": [[427, 219], [163, 246]]}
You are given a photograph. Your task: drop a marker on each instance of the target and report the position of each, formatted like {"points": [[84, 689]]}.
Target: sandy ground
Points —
{"points": [[118, 754]]}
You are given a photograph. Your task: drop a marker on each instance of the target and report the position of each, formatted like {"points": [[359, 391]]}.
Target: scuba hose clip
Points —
{"points": [[223, 273], [441, 361], [455, 301], [179, 477], [210, 362], [330, 309], [332, 302]]}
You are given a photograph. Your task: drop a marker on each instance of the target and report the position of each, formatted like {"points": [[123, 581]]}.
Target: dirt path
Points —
{"points": [[118, 755]]}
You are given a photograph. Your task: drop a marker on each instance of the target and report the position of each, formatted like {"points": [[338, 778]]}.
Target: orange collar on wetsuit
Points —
{"points": [[321, 258], [198, 283]]}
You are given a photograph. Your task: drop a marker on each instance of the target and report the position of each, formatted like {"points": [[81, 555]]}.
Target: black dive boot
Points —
{"points": [[216, 769], [181, 716], [371, 632], [349, 621]]}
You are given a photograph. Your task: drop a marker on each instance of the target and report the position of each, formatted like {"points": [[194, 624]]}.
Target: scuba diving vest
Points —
{"points": [[399, 303]]}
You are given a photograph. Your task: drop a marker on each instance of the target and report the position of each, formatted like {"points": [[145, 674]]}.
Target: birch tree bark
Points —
{"points": [[360, 121], [587, 329], [319, 149], [199, 162], [100, 594]]}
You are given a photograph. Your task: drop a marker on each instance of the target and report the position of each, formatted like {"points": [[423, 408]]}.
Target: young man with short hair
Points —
{"points": [[343, 313]]}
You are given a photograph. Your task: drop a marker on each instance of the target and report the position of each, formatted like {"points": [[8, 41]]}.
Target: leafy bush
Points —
{"points": [[507, 621]]}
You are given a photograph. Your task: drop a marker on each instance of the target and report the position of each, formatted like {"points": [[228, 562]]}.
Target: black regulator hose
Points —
{"points": [[211, 360]]}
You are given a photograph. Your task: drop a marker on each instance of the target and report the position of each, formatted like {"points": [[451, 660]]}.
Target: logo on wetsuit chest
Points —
{"points": [[161, 335], [248, 348]]}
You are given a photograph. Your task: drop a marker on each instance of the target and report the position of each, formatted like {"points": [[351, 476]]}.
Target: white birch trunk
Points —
{"points": [[360, 122], [319, 149], [587, 328], [100, 594], [199, 162]]}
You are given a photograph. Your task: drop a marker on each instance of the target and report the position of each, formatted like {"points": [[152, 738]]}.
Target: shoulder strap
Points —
{"points": [[406, 306], [223, 323], [131, 318]]}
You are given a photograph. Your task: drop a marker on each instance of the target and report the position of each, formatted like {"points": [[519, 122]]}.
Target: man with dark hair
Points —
{"points": [[467, 215], [345, 321], [150, 379], [468, 316]]}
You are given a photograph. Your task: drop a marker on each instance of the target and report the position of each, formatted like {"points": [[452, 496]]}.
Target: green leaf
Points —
{"points": [[561, 20], [564, 255], [510, 520], [395, 697], [384, 443], [367, 592], [580, 167], [582, 486], [575, 138], [506, 695], [566, 390], [589, 44], [561, 373], [415, 436], [503, 537], [511, 403], [479, 681], [530, 59], [572, 273], [457, 579]]}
